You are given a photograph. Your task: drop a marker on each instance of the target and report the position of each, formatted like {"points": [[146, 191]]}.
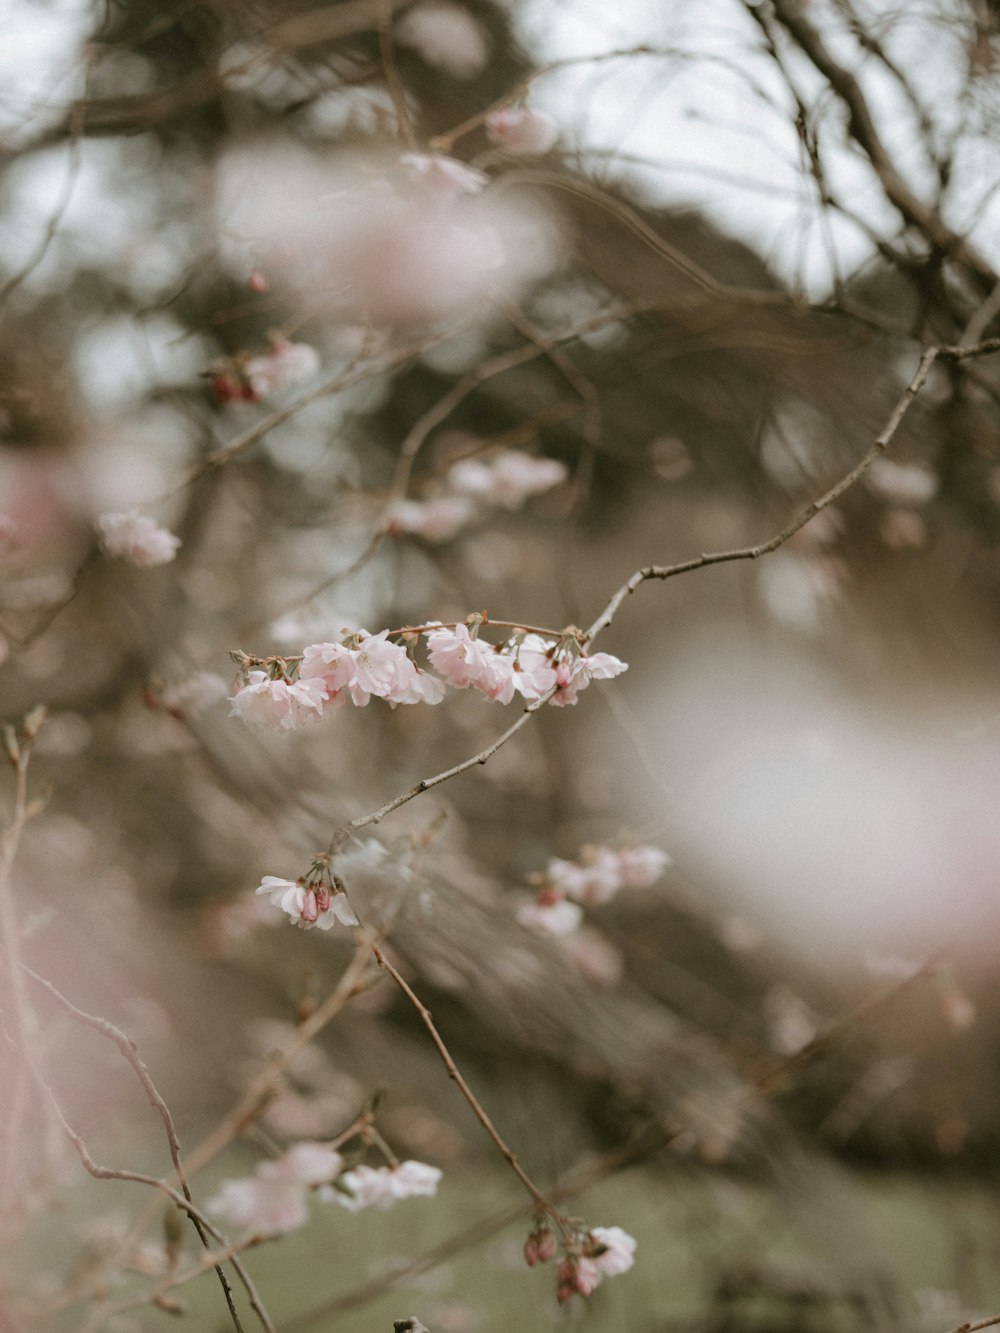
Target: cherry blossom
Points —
{"points": [[641, 866], [287, 364], [381, 1187], [137, 538], [551, 918], [507, 479], [522, 129], [445, 36], [282, 704], [275, 1199], [384, 669], [459, 657], [575, 675], [617, 1250], [436, 520], [333, 665], [307, 905]]}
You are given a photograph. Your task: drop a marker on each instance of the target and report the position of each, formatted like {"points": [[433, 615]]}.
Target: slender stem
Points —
{"points": [[130, 1051], [541, 1202]]}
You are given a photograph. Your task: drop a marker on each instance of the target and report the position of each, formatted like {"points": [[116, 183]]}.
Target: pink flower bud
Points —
{"points": [[546, 1246], [531, 1255], [323, 898], [310, 908], [257, 281]]}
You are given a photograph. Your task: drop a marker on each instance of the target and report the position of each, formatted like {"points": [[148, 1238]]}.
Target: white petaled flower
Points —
{"points": [[309, 1163], [618, 1252], [558, 918], [307, 906], [522, 129], [332, 664], [138, 539], [287, 363], [436, 520], [642, 866], [445, 36], [459, 657], [381, 1187], [275, 1199], [600, 877], [575, 675], [412, 1179], [385, 670], [508, 479], [281, 704]]}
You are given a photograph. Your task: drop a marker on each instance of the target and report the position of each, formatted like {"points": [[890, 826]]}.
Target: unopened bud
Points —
{"points": [[546, 1246], [531, 1254], [310, 908], [257, 281], [34, 721]]}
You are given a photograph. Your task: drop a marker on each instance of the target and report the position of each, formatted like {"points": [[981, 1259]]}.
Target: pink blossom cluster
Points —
{"points": [[249, 379], [600, 872], [137, 539], [308, 902], [275, 1199], [594, 1255], [381, 1187], [522, 129], [370, 665], [505, 481], [594, 878], [606, 1252]]}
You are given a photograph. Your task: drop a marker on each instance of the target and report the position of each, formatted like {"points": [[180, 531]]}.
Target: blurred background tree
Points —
{"points": [[702, 293]]}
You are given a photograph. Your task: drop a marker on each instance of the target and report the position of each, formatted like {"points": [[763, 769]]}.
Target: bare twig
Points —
{"points": [[879, 445], [541, 1202], [130, 1052]]}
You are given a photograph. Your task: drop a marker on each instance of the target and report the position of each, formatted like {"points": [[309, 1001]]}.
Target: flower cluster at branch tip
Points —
{"points": [[275, 1199], [588, 1258], [522, 129], [597, 875], [137, 539], [505, 481], [249, 379], [315, 900], [293, 692]]}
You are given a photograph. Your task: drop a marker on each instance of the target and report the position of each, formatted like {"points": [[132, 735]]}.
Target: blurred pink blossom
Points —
{"points": [[507, 479], [522, 129], [137, 539], [445, 36]]}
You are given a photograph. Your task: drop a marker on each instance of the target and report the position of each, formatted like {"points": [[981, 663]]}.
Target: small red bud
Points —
{"points": [[310, 909], [546, 1246], [257, 281], [531, 1254]]}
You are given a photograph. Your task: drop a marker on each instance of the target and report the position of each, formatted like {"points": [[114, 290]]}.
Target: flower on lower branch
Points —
{"points": [[308, 904], [275, 1199], [604, 1252]]}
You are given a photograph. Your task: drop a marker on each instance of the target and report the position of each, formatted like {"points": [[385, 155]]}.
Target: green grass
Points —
{"points": [[689, 1228]]}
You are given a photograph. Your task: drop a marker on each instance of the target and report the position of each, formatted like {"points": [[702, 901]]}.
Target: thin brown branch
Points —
{"points": [[864, 131], [393, 82], [878, 447], [541, 1202], [130, 1051], [184, 1204]]}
